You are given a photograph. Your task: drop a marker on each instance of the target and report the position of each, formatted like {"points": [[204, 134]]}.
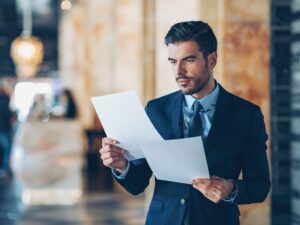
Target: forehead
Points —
{"points": [[184, 48]]}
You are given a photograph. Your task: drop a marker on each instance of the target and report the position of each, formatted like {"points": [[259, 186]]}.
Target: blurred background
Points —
{"points": [[56, 54]]}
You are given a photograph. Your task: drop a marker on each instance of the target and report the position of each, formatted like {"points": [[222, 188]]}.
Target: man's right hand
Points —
{"points": [[113, 156]]}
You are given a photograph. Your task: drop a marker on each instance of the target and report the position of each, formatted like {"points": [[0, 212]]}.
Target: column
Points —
{"points": [[295, 113]]}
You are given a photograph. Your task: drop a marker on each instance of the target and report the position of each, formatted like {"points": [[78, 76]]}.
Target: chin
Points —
{"points": [[187, 91]]}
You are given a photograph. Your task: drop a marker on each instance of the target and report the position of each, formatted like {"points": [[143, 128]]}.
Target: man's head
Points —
{"points": [[192, 50], [196, 31]]}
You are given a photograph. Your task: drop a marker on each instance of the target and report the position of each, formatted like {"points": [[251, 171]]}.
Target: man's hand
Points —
{"points": [[113, 156], [215, 188]]}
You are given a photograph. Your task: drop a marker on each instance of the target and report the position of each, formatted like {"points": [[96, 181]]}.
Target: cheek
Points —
{"points": [[196, 70]]}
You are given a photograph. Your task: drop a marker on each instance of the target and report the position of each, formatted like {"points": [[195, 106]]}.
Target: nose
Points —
{"points": [[180, 69]]}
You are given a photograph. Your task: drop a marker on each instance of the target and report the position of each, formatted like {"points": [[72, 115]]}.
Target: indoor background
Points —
{"points": [[98, 47]]}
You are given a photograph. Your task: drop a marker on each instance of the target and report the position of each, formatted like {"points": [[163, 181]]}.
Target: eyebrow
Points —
{"points": [[185, 58], [189, 57]]}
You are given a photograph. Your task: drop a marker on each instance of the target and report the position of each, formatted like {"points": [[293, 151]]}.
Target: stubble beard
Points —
{"points": [[198, 84]]}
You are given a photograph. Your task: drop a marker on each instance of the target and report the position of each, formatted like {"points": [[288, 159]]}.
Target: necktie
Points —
{"points": [[195, 127]]}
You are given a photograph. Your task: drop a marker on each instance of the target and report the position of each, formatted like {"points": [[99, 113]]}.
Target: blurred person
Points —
{"points": [[40, 108], [68, 103], [233, 133], [6, 117]]}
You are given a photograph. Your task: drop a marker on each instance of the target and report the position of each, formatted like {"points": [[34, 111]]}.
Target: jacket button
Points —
{"points": [[182, 201]]}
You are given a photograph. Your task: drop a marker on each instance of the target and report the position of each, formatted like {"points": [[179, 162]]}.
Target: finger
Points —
{"points": [[108, 155], [212, 193], [107, 141], [111, 148], [206, 184], [201, 181], [224, 186], [219, 182], [216, 177], [111, 154], [110, 161], [213, 196], [199, 188], [116, 163], [203, 187], [216, 190]]}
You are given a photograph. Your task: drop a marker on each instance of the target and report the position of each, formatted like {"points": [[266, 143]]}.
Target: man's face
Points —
{"points": [[192, 71]]}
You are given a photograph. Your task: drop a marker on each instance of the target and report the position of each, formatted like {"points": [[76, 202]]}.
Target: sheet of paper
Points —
{"points": [[179, 160], [125, 120]]}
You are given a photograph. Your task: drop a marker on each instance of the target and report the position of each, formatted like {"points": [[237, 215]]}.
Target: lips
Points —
{"points": [[183, 81]]}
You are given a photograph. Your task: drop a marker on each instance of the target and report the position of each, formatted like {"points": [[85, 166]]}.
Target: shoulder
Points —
{"points": [[166, 99], [239, 108], [240, 103], [165, 105]]}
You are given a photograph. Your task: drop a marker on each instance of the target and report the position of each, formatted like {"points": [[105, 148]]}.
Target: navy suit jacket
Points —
{"points": [[236, 143]]}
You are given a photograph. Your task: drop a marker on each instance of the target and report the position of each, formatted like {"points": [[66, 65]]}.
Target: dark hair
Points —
{"points": [[197, 31], [71, 111]]}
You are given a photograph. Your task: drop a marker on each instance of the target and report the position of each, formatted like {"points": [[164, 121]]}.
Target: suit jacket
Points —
{"points": [[236, 143]]}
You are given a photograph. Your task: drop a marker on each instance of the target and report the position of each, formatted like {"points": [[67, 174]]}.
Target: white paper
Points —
{"points": [[125, 120], [179, 160]]}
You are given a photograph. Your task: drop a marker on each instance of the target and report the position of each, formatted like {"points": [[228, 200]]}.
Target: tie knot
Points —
{"points": [[195, 127], [197, 107]]}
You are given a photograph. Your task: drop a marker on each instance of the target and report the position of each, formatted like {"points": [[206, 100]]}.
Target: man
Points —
{"points": [[233, 133]]}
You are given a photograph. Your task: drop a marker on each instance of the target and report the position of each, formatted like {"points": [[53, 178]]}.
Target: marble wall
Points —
{"points": [[245, 59], [246, 50], [101, 50]]}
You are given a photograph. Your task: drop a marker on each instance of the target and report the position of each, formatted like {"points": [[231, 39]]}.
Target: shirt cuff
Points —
{"points": [[121, 175], [231, 197]]}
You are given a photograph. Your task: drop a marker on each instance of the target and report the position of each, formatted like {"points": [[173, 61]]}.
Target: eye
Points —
{"points": [[190, 60], [173, 62]]}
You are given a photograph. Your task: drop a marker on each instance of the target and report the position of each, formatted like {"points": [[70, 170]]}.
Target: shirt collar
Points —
{"points": [[207, 102]]}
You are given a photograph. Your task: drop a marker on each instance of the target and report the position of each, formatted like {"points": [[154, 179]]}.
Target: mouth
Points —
{"points": [[183, 81]]}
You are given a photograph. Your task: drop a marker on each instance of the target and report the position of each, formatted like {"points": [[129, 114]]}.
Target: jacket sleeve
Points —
{"points": [[137, 177], [255, 183]]}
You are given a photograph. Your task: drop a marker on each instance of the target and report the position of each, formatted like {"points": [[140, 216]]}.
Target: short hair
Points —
{"points": [[197, 31]]}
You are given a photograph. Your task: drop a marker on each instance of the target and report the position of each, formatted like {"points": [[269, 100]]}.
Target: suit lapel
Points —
{"points": [[177, 118], [220, 118]]}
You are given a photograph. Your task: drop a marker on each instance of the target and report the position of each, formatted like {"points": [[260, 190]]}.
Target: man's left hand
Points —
{"points": [[215, 188]]}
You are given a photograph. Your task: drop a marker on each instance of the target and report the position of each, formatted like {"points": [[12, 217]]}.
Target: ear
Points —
{"points": [[212, 60]]}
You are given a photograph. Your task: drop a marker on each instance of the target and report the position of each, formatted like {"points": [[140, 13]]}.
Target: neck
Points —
{"points": [[208, 87]]}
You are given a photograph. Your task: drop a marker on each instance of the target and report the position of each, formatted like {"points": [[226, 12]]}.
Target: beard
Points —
{"points": [[198, 83], [198, 86]]}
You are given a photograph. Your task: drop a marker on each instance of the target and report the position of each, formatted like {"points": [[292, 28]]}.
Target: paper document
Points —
{"points": [[125, 120], [179, 160]]}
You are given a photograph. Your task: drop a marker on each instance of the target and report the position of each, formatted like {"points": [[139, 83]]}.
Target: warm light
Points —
{"points": [[26, 50], [66, 5], [27, 53]]}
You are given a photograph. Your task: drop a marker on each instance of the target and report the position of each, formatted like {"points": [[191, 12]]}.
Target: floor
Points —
{"points": [[106, 208]]}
